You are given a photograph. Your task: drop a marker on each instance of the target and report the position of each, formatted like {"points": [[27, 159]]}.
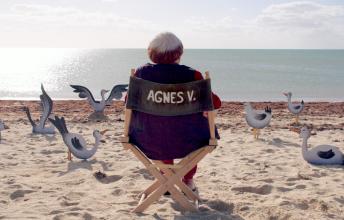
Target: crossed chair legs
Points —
{"points": [[170, 179], [167, 182]]}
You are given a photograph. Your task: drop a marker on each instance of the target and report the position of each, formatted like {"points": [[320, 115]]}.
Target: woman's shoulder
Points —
{"points": [[145, 66], [168, 73], [150, 66], [179, 66], [143, 69], [187, 68]]}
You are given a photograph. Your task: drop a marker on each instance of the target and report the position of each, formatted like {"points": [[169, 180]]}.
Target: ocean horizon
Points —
{"points": [[237, 74]]}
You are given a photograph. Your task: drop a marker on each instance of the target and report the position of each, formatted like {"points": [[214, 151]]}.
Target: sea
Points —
{"points": [[236, 74]]}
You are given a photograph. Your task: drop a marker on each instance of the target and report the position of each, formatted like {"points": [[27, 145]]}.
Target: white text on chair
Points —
{"points": [[171, 97]]}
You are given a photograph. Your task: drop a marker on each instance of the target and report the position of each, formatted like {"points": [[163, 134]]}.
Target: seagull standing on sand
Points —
{"points": [[75, 142], [99, 106], [296, 109], [2, 127], [47, 106], [322, 154], [257, 119]]}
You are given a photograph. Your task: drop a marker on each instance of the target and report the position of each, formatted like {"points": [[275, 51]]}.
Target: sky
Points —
{"points": [[270, 24]]}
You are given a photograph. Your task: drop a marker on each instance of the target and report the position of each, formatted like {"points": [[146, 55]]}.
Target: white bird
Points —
{"points": [[2, 127], [47, 106], [296, 109], [322, 154], [257, 119], [75, 142], [99, 106]]}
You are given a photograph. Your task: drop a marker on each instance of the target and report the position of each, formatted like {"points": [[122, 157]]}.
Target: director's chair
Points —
{"points": [[169, 177]]}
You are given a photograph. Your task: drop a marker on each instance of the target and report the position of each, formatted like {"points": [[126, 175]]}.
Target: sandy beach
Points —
{"points": [[243, 178]]}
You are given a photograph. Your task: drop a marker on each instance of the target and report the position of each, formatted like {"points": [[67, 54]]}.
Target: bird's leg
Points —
{"points": [[297, 119], [254, 132], [258, 133], [69, 157]]}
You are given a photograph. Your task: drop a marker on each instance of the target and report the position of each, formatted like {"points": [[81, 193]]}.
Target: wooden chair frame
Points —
{"points": [[169, 177]]}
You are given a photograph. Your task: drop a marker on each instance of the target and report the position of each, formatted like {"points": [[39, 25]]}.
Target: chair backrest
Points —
{"points": [[170, 100]]}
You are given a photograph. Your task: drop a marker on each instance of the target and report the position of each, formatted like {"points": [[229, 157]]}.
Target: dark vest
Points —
{"points": [[162, 137]]}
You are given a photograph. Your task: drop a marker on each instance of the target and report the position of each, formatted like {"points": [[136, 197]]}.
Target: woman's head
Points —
{"points": [[165, 48]]}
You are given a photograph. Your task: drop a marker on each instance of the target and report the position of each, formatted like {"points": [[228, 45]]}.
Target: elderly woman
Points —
{"points": [[167, 138]]}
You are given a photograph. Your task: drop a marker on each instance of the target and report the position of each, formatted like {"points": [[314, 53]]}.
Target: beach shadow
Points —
{"points": [[103, 164], [340, 200], [82, 164], [97, 117], [209, 209], [109, 179], [78, 164], [327, 166], [50, 138], [33, 135], [281, 143], [144, 172], [37, 135], [157, 217], [48, 152]]}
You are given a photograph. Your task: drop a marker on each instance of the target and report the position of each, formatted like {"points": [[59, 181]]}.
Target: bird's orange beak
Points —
{"points": [[104, 131]]}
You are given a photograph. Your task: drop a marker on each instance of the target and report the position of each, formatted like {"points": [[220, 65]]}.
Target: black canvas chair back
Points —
{"points": [[169, 99]]}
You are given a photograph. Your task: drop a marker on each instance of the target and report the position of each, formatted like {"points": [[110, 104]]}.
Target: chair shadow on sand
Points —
{"points": [[83, 164], [210, 209]]}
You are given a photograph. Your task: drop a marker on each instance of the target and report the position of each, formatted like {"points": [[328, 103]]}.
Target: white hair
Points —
{"points": [[165, 41]]}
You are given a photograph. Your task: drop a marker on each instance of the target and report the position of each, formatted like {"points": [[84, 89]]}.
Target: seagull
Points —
{"points": [[47, 106], [99, 106], [2, 127], [75, 142], [321, 154], [296, 109], [257, 119]]}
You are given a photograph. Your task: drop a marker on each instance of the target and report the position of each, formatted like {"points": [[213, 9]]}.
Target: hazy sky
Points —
{"points": [[198, 23]]}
